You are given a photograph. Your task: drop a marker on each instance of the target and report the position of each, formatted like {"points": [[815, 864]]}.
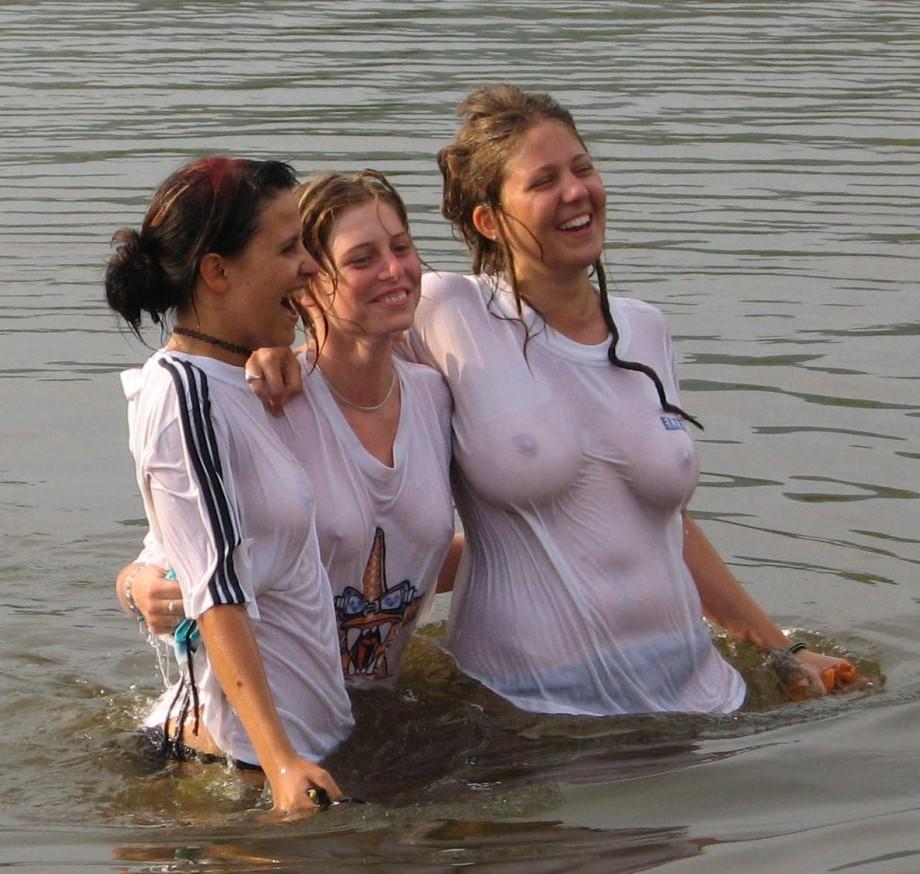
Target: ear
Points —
{"points": [[484, 221], [213, 271]]}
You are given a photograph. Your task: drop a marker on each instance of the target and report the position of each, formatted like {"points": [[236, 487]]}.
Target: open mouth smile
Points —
{"points": [[392, 298], [289, 304], [577, 223]]}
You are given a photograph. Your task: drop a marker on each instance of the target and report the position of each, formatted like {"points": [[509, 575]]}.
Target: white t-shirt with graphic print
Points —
{"points": [[573, 595], [383, 531]]}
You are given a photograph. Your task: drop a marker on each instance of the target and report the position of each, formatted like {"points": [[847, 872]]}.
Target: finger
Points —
{"points": [[256, 382], [272, 385], [325, 782]]}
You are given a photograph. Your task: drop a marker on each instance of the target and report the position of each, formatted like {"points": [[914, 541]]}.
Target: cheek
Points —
{"points": [[322, 294], [413, 268], [599, 195]]}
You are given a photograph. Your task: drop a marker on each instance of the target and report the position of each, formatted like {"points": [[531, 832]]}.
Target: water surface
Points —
{"points": [[763, 185]]}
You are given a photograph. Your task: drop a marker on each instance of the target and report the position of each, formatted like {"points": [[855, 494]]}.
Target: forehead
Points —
{"points": [[547, 143], [280, 215], [364, 222]]}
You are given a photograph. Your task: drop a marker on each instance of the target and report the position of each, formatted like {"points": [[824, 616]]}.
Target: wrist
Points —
{"points": [[129, 593], [280, 766]]}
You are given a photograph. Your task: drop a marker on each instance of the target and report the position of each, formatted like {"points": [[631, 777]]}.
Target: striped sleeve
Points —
{"points": [[191, 386]]}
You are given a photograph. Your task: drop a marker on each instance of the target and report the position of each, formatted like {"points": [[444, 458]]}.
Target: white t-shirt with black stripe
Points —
{"points": [[235, 513]]}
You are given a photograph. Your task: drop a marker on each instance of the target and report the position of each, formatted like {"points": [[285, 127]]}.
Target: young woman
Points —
{"points": [[220, 254], [371, 431], [585, 582]]}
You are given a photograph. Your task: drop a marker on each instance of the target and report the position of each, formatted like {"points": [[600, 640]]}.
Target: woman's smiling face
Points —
{"points": [[273, 267], [553, 204], [378, 273]]}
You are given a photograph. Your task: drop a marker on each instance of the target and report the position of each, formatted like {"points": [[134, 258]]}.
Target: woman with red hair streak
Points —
{"points": [[219, 254]]}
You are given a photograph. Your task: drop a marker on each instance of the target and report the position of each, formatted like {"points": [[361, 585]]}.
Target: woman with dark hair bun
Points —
{"points": [[220, 255], [585, 581], [372, 432]]}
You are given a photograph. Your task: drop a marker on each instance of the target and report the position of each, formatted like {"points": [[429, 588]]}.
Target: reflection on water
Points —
{"points": [[436, 845], [760, 160]]}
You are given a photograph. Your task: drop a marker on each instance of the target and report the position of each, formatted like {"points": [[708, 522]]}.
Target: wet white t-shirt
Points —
{"points": [[573, 596], [383, 531], [234, 511]]}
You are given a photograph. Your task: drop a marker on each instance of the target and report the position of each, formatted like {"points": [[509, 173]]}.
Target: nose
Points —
{"points": [[392, 267], [575, 188]]}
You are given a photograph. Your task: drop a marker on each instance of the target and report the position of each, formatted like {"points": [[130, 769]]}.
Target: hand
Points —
{"points": [[292, 783], [273, 373], [827, 674], [159, 599]]}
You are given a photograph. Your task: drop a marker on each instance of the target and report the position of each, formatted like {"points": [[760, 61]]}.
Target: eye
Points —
{"points": [[584, 169], [541, 182], [358, 261]]}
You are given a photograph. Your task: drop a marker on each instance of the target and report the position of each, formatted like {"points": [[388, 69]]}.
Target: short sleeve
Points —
{"points": [[189, 481]]}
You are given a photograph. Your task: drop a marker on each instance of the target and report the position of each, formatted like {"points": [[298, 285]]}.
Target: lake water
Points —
{"points": [[761, 160]]}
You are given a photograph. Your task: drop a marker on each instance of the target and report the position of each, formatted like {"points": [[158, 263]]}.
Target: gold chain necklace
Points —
{"points": [[365, 408]]}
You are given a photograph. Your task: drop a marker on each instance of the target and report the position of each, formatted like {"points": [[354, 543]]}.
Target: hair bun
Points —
{"points": [[133, 279]]}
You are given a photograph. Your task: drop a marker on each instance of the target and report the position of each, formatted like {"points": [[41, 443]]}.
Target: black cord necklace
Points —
{"points": [[214, 341]]}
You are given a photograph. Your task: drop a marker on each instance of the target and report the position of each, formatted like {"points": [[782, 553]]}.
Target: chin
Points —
{"points": [[281, 338]]}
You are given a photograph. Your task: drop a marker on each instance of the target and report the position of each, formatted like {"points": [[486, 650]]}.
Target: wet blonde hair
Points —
{"points": [[324, 198]]}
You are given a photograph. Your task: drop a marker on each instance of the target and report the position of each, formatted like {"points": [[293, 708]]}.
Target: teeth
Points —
{"points": [[393, 296], [578, 222]]}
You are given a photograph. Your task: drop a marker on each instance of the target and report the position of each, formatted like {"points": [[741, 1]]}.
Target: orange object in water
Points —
{"points": [[838, 676]]}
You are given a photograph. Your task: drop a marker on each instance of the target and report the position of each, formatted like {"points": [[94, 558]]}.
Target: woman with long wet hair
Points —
{"points": [[585, 581]]}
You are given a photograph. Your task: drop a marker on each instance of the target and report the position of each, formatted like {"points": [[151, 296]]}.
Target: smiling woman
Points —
{"points": [[586, 580], [220, 251], [372, 432]]}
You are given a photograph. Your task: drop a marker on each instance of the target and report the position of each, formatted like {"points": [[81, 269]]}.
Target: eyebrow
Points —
{"points": [[544, 168], [290, 238], [369, 244]]}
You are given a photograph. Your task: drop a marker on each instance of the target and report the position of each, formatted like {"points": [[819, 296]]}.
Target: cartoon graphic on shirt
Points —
{"points": [[369, 621]]}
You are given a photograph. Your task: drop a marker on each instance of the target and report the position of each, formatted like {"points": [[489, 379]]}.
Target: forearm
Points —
{"points": [[234, 656], [724, 599]]}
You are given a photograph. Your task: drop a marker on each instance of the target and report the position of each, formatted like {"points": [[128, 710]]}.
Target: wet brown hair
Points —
{"points": [[473, 167]]}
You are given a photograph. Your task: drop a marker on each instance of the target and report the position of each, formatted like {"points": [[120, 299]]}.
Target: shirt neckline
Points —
{"points": [[330, 409], [596, 354]]}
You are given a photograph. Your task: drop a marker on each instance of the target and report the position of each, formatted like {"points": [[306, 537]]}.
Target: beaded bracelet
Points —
{"points": [[798, 646], [129, 598]]}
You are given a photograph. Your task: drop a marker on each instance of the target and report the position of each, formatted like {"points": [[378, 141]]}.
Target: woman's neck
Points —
{"points": [[194, 338], [568, 304], [360, 369]]}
